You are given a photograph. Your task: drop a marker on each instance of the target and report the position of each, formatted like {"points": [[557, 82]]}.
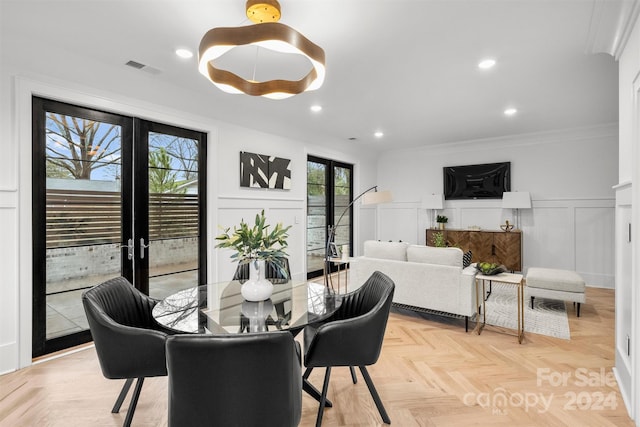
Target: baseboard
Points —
{"points": [[8, 358], [594, 280], [623, 378]]}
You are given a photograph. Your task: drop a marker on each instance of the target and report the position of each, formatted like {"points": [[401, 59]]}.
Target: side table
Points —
{"points": [[343, 265], [508, 278]]}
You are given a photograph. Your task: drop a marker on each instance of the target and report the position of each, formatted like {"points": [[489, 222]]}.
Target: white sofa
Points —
{"points": [[426, 278]]}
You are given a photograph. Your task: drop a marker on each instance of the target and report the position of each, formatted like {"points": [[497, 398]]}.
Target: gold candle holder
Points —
{"points": [[507, 227]]}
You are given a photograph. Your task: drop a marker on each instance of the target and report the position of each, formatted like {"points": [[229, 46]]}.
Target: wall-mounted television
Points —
{"points": [[485, 181]]}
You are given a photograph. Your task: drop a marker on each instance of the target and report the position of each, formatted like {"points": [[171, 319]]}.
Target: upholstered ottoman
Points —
{"points": [[555, 284]]}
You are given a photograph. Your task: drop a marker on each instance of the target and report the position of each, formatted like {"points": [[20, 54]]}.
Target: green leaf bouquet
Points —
{"points": [[256, 242]]}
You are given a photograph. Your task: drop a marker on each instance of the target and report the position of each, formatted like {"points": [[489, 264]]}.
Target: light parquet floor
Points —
{"points": [[430, 373]]}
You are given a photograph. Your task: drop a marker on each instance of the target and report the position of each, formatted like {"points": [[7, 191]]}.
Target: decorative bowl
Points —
{"points": [[490, 269]]}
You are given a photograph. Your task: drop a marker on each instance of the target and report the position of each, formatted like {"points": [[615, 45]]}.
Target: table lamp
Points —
{"points": [[516, 200], [433, 202]]}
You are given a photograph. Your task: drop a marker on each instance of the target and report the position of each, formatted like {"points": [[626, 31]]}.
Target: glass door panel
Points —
{"points": [[173, 203], [316, 216], [341, 201], [78, 215]]}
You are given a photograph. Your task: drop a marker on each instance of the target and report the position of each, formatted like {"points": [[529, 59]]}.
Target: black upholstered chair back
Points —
{"points": [[234, 380], [352, 336], [128, 341], [275, 273], [357, 327]]}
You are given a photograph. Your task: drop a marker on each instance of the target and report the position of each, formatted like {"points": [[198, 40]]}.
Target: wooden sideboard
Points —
{"points": [[486, 246]]}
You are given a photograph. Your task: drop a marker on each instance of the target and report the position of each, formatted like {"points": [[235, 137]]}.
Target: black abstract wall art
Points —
{"points": [[263, 171]]}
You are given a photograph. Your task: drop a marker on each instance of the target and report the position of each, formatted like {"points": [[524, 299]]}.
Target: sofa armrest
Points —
{"points": [[470, 270]]}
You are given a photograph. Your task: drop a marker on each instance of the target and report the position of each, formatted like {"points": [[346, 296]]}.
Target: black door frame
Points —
{"points": [[40, 345], [131, 137], [329, 202], [141, 204]]}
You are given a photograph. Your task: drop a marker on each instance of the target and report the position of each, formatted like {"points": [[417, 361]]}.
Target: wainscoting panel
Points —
{"points": [[548, 238], [398, 222], [9, 291], [595, 237], [485, 218], [368, 227]]}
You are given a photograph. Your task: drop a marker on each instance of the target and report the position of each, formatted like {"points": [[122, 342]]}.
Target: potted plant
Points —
{"points": [[256, 245], [441, 220], [438, 240]]}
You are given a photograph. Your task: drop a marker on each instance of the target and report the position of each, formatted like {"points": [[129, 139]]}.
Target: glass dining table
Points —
{"points": [[220, 308]]}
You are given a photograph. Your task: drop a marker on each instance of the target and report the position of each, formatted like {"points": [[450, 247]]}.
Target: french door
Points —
{"points": [[329, 193], [112, 196]]}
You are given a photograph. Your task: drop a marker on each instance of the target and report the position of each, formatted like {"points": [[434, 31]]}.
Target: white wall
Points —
{"points": [[569, 174]]}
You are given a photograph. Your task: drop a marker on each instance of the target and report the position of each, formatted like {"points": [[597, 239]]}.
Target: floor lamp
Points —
{"points": [[368, 198], [516, 200]]}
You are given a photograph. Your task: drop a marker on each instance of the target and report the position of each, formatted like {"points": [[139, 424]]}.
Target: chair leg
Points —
{"points": [[323, 398], [353, 374], [374, 394], [578, 310], [134, 402], [532, 302], [466, 323], [311, 390], [122, 395], [307, 372]]}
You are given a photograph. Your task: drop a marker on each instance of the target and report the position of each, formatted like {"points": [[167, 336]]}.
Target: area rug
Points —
{"points": [[549, 317]]}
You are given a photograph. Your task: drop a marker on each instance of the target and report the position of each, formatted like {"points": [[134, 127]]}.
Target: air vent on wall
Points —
{"points": [[143, 67]]}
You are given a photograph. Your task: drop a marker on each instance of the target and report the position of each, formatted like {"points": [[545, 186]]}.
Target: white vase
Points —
{"points": [[257, 313], [257, 288]]}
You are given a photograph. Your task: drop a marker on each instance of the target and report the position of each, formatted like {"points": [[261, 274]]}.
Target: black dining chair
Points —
{"points": [[130, 344], [276, 272], [244, 380], [352, 336]]}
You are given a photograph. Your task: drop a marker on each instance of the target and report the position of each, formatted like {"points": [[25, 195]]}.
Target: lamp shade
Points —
{"points": [[375, 197], [433, 201], [516, 200]]}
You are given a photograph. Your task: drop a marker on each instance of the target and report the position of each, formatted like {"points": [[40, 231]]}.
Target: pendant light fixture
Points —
{"points": [[266, 33]]}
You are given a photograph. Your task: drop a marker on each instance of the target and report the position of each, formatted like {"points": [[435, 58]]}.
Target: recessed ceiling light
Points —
{"points": [[378, 134], [316, 108], [184, 53], [510, 111], [485, 64]]}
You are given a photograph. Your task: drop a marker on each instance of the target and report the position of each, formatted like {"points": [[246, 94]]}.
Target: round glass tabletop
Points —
{"points": [[220, 308]]}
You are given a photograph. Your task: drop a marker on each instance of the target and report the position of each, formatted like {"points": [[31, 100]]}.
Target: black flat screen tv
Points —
{"points": [[486, 181]]}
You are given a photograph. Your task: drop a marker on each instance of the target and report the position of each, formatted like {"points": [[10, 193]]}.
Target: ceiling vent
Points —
{"points": [[143, 67], [135, 64]]}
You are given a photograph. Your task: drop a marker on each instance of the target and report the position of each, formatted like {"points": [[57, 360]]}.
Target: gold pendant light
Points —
{"points": [[266, 33]]}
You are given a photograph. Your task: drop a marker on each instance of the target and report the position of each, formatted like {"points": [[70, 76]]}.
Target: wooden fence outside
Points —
{"points": [[81, 218]]}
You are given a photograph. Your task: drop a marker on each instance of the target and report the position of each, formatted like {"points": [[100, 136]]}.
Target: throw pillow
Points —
{"points": [[466, 259]]}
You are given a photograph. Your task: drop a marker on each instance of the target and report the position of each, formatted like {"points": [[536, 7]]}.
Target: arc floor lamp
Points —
{"points": [[370, 196]]}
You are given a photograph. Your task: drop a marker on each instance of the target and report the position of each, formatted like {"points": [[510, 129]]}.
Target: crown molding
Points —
{"points": [[611, 24]]}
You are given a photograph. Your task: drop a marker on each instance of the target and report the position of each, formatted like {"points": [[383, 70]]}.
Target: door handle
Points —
{"points": [[129, 247], [142, 247]]}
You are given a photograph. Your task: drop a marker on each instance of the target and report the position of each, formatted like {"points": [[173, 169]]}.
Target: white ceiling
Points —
{"points": [[407, 68]]}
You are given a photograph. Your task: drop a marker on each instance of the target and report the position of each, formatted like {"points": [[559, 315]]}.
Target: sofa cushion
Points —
{"points": [[396, 251], [433, 255]]}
